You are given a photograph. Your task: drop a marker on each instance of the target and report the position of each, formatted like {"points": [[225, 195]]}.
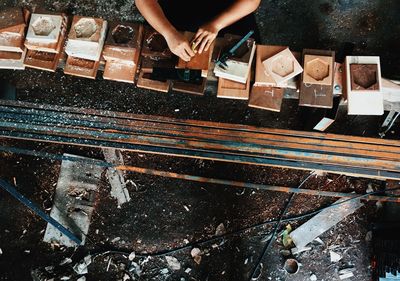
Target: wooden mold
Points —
{"points": [[47, 56], [239, 67], [283, 66], [268, 98], [122, 51], [155, 53], [317, 80], [363, 85], [233, 90], [81, 67], [86, 38], [44, 28], [194, 89], [199, 61], [154, 44], [11, 19]]}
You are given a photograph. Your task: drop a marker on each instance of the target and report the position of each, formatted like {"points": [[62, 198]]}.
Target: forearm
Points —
{"points": [[238, 10], [152, 12]]}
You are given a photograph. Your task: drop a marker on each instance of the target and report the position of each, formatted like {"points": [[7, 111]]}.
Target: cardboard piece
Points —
{"points": [[318, 64], [233, 90], [199, 61], [282, 66], [238, 67], [365, 97], [268, 98]]}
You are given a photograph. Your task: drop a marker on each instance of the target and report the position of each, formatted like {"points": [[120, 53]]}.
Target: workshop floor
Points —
{"points": [[165, 214]]}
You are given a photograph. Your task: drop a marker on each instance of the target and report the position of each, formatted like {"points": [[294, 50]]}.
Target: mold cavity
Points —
{"points": [[122, 34], [317, 69], [85, 28], [43, 26], [156, 43], [364, 75], [283, 66]]}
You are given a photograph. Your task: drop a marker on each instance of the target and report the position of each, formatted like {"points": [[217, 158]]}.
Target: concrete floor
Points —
{"points": [[156, 217]]}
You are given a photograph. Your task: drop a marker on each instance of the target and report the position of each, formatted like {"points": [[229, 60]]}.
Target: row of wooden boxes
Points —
{"points": [[83, 45]]}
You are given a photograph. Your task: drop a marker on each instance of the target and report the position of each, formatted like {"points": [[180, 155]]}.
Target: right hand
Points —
{"points": [[180, 46]]}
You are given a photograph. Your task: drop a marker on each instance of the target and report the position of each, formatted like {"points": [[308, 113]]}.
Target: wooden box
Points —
{"points": [[282, 66], [363, 85], [317, 80]]}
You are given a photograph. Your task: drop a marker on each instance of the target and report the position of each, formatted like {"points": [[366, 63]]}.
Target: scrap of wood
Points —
{"points": [[268, 98], [233, 90], [323, 221]]}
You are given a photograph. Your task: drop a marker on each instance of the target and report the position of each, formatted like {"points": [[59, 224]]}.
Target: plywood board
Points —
{"points": [[268, 98], [317, 94], [119, 71], [283, 66], [11, 41], [81, 67], [233, 90], [363, 101], [195, 89], [199, 61]]}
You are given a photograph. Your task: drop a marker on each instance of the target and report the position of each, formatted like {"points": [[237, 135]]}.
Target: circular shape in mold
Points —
{"points": [[85, 28], [43, 26], [291, 266], [122, 34], [157, 43]]}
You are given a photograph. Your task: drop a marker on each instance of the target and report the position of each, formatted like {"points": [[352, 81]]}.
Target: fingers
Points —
{"points": [[203, 44], [188, 49], [199, 39], [208, 44]]}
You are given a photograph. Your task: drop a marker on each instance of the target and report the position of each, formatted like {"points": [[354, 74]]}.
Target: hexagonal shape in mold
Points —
{"points": [[364, 76], [282, 66], [85, 28], [317, 69], [43, 26]]}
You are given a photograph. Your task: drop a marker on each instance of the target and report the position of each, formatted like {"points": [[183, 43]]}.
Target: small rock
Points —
{"points": [[220, 230], [313, 277], [132, 256], [164, 271], [65, 261], [368, 236], [196, 255], [285, 252], [116, 239], [335, 257], [64, 278], [1, 251], [83, 278], [126, 277], [188, 270], [173, 263]]}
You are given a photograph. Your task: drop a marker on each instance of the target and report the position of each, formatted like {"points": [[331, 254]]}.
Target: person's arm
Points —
{"points": [[177, 43], [208, 32]]}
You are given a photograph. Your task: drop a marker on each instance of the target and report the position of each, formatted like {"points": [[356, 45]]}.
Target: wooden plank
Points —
{"points": [[199, 61], [233, 90], [189, 88], [268, 98]]}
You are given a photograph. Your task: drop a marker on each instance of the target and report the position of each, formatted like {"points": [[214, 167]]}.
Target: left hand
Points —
{"points": [[204, 37]]}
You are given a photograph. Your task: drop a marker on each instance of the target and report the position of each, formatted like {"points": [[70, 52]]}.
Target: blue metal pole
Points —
{"points": [[11, 189]]}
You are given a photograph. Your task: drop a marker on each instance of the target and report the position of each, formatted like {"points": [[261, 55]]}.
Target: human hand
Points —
{"points": [[179, 45], [204, 37]]}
